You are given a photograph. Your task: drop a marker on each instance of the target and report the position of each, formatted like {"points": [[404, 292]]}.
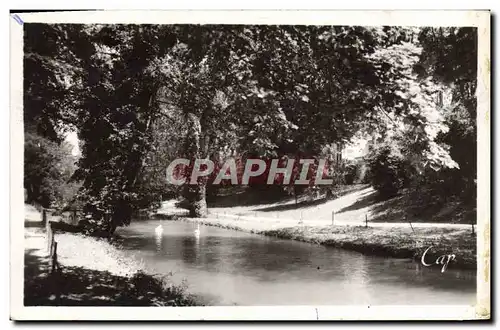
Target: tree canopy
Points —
{"points": [[142, 95]]}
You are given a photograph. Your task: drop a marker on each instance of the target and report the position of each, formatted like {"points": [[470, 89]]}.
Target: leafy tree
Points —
{"points": [[47, 170], [437, 135], [117, 114], [48, 114], [141, 95], [450, 57]]}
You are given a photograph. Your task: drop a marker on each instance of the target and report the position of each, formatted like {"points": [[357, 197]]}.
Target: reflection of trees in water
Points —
{"points": [[358, 279], [222, 256], [263, 259], [189, 250], [401, 272], [356, 270], [158, 241], [257, 254], [185, 248], [272, 260], [200, 255]]}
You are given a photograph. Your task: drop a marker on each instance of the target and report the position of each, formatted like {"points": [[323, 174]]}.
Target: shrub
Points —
{"points": [[350, 172], [388, 172]]}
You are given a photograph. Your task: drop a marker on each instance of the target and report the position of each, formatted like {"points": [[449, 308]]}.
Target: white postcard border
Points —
{"points": [[479, 19]]}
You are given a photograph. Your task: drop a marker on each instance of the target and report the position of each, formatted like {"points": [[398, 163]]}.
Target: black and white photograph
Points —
{"points": [[255, 163]]}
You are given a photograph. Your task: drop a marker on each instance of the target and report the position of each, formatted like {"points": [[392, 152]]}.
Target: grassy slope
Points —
{"points": [[92, 273], [352, 207]]}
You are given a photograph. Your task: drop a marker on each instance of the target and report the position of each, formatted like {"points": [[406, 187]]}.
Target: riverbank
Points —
{"points": [[397, 241], [92, 272], [356, 220]]}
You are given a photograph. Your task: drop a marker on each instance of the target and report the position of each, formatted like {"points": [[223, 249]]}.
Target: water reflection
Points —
{"points": [[158, 241], [251, 269]]}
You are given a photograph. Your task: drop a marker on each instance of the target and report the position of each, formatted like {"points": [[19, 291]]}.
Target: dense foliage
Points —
{"points": [[447, 63], [142, 95], [48, 168]]}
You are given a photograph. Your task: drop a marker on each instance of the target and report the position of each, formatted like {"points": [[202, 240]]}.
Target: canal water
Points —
{"points": [[227, 267]]}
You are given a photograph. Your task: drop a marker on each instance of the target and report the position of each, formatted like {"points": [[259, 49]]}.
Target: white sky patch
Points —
{"points": [[72, 138], [358, 147]]}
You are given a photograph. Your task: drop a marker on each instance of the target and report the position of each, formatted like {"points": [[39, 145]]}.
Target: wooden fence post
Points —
{"points": [[366, 220], [409, 221], [413, 230], [54, 257], [48, 241], [48, 230], [333, 217]]}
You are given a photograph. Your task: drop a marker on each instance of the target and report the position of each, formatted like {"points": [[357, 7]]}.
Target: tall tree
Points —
{"points": [[259, 91], [48, 112], [450, 57], [117, 115]]}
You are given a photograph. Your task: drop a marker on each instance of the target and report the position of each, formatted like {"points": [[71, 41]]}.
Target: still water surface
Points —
{"points": [[227, 267]]}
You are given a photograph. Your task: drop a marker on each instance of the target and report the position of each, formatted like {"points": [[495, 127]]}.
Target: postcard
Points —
{"points": [[250, 165]]}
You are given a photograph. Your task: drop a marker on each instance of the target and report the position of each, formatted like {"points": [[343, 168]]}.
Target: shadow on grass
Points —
{"points": [[392, 210], [299, 205], [56, 225], [33, 224], [163, 216], [247, 197], [366, 200], [66, 227], [404, 208], [34, 266], [78, 286]]}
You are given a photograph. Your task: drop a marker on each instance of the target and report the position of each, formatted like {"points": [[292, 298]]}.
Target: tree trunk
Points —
{"points": [[122, 214], [194, 193]]}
